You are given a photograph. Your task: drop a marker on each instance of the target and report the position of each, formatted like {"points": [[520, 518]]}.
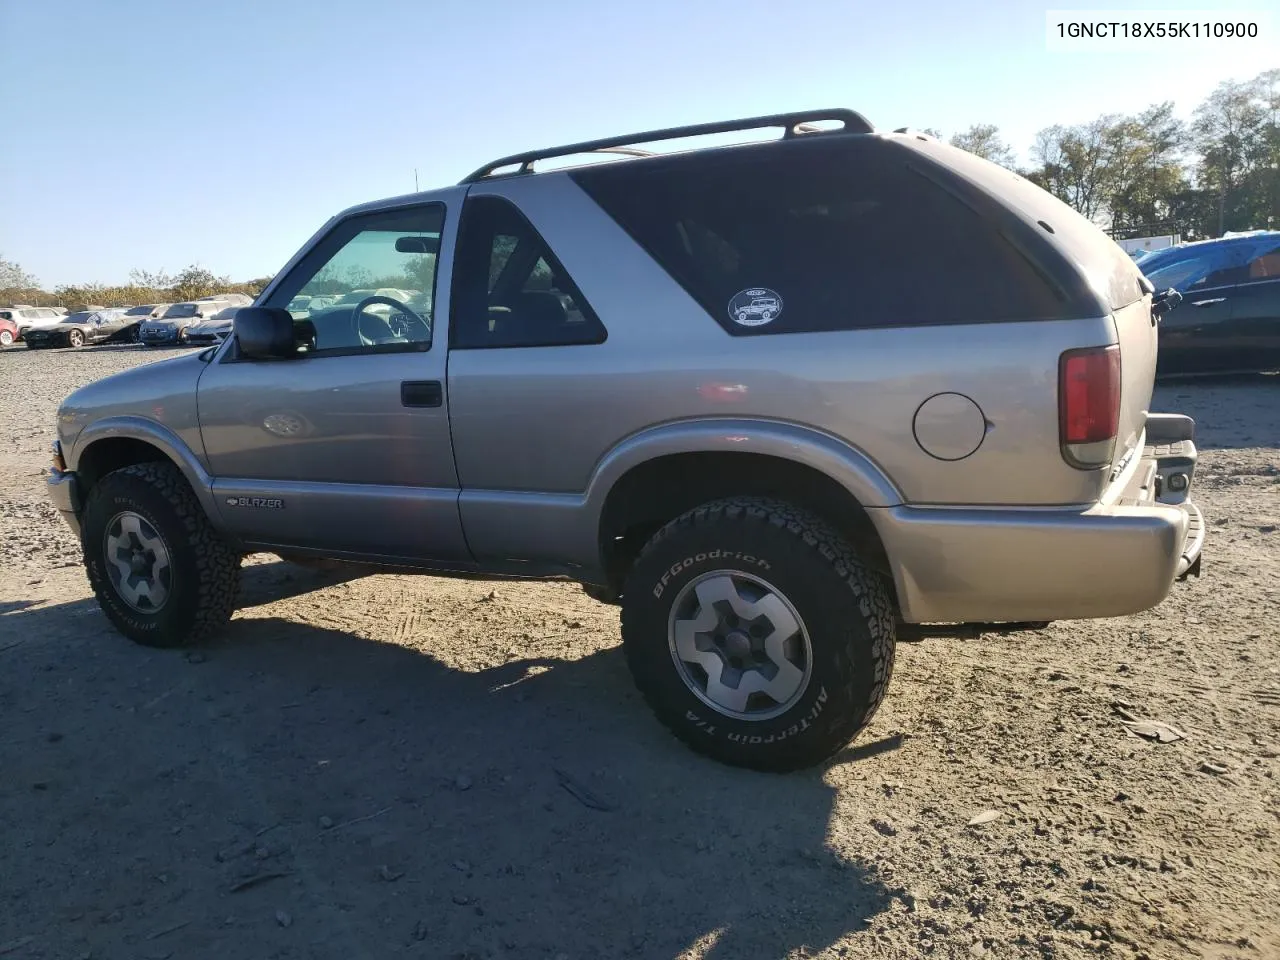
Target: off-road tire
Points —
{"points": [[206, 570], [846, 608]]}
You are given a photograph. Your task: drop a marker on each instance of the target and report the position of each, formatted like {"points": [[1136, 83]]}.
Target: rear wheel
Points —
{"points": [[756, 635], [6, 338], [162, 575]]}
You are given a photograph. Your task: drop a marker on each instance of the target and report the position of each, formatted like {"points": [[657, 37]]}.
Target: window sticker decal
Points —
{"points": [[755, 307]]}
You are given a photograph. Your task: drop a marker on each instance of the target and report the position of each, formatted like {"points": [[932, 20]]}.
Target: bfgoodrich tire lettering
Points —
{"points": [[845, 608], [205, 574]]}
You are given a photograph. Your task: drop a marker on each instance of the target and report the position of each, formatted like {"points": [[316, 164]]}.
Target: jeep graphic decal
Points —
{"points": [[755, 306]]}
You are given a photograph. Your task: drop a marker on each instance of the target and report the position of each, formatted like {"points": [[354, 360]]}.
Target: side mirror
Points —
{"points": [[265, 333], [1165, 301]]}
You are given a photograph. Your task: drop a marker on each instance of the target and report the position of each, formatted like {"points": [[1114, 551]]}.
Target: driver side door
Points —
{"points": [[1194, 338], [344, 448]]}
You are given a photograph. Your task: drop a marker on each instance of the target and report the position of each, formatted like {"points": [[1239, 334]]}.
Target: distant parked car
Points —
{"points": [[78, 329], [213, 330], [1229, 321], [231, 299], [8, 332], [171, 326], [136, 316], [27, 318]]}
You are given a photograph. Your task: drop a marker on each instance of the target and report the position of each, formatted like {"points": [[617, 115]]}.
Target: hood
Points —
{"points": [[163, 392]]}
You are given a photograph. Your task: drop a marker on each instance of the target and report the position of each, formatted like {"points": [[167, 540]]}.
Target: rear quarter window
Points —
{"points": [[1105, 265], [810, 236]]}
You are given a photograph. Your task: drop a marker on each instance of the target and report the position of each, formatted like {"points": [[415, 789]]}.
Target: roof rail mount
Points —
{"points": [[802, 123]]}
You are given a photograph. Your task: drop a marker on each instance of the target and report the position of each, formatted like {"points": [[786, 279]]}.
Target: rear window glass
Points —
{"points": [[820, 235], [1111, 272]]}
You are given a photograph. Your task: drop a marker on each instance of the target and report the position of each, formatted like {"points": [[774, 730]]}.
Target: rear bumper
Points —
{"points": [[65, 494], [955, 565]]}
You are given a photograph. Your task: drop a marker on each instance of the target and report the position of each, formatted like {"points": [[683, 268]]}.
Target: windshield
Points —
{"points": [[78, 317], [180, 310], [139, 311]]}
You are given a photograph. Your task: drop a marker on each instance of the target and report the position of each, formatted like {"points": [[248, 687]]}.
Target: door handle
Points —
{"points": [[1205, 303], [421, 393]]}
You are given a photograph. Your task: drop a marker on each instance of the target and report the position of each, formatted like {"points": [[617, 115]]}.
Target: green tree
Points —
{"points": [[1074, 164], [983, 140], [1145, 169], [13, 277], [1230, 134]]}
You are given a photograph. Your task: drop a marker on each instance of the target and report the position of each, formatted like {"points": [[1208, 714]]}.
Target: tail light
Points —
{"points": [[1089, 405]]}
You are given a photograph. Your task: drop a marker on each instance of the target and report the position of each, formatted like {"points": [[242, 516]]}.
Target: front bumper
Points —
{"points": [[65, 494], [38, 339], [157, 337], [1000, 565], [205, 339]]}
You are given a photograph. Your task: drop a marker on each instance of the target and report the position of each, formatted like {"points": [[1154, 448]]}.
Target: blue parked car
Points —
{"points": [[1229, 318]]}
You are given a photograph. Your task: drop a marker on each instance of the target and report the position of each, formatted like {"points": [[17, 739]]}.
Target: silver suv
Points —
{"points": [[721, 388]]}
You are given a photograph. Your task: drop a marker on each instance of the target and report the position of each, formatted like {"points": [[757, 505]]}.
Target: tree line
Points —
{"points": [[144, 286], [1143, 174], [1152, 173]]}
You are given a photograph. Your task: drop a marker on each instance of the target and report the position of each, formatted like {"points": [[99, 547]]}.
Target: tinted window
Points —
{"points": [[509, 290], [812, 236], [1265, 263], [138, 311], [6, 314], [376, 255], [1195, 269]]}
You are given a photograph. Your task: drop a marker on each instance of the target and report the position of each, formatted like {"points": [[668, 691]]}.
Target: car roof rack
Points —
{"points": [[802, 123]]}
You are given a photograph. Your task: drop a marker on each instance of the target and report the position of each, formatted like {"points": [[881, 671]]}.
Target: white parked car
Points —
{"points": [[28, 318]]}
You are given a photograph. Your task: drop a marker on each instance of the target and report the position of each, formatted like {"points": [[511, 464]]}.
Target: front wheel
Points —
{"points": [[756, 635], [6, 338], [75, 338], [161, 573]]}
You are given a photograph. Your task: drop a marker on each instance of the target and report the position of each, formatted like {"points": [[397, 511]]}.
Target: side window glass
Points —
{"points": [[509, 290], [1210, 268], [1265, 264], [369, 286]]}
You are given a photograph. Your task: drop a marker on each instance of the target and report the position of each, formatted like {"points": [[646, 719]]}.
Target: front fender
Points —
{"points": [[156, 435]]}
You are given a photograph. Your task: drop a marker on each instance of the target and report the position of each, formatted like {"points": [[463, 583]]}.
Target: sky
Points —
{"points": [[154, 134]]}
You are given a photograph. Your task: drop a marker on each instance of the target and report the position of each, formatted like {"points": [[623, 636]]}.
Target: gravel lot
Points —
{"points": [[398, 765]]}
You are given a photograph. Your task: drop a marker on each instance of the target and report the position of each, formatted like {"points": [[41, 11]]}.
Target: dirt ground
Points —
{"points": [[416, 766]]}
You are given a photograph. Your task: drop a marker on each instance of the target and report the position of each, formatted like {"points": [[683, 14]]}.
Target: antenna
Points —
{"points": [[415, 179]]}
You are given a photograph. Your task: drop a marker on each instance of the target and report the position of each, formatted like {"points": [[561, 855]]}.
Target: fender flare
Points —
{"points": [[821, 451], [130, 427]]}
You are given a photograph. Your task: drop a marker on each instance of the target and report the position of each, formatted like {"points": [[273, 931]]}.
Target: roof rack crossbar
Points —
{"points": [[801, 123]]}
